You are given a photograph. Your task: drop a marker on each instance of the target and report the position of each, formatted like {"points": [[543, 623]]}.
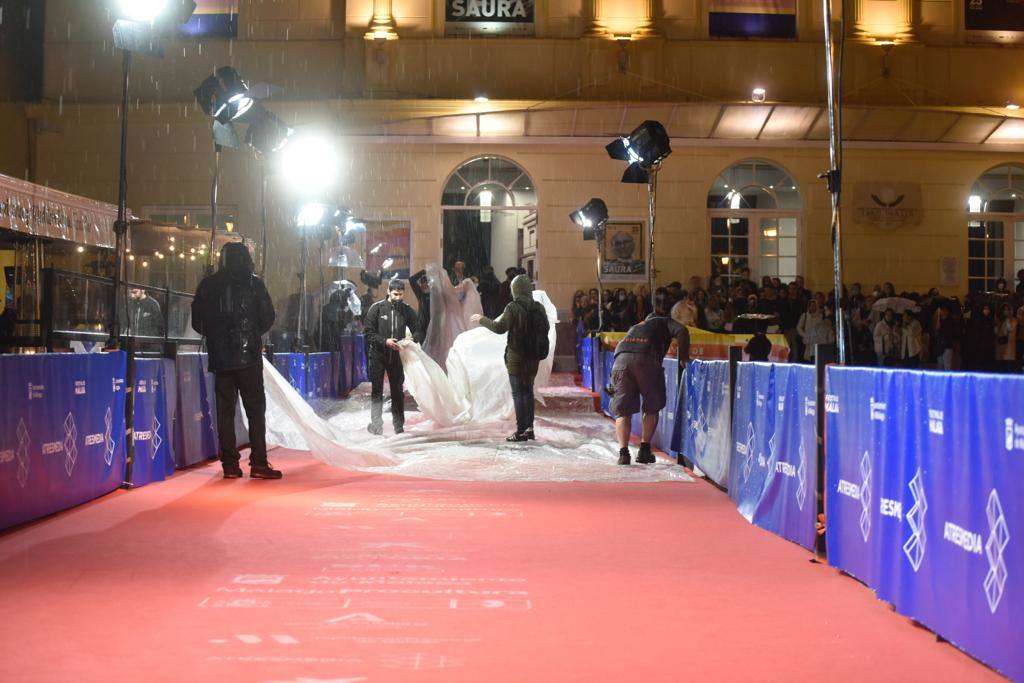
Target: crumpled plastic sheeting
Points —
{"points": [[574, 442]]}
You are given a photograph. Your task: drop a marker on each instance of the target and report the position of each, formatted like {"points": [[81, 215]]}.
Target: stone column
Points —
{"points": [[382, 25], [594, 14], [647, 25]]}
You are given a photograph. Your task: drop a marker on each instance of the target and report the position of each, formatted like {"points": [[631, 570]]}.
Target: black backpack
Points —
{"points": [[535, 340]]}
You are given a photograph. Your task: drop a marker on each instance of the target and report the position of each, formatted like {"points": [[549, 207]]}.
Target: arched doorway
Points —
{"points": [[995, 227], [754, 211], [488, 205]]}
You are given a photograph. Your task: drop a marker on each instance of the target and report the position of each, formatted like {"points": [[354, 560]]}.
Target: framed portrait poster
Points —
{"points": [[623, 252]]}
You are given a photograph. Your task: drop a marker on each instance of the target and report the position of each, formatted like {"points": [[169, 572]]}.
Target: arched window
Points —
{"points": [[754, 212], [995, 227], [489, 214]]}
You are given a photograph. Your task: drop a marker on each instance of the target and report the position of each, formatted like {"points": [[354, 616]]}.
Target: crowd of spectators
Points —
{"points": [[983, 331]]}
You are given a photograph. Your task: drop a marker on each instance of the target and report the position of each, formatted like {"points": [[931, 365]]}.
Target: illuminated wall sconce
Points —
{"points": [[1012, 106], [382, 26], [758, 94]]}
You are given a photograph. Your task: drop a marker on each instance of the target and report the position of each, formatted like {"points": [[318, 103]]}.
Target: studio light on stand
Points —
{"points": [[592, 218], [267, 135], [225, 97], [141, 26], [645, 149]]}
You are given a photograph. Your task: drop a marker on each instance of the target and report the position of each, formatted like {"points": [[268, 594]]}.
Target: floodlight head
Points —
{"points": [[225, 135], [311, 215], [142, 10], [143, 22], [310, 163], [590, 217], [645, 147], [267, 133], [635, 173], [224, 95]]}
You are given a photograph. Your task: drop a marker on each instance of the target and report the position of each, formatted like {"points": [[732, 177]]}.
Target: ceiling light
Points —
{"points": [[1012, 106], [481, 99]]}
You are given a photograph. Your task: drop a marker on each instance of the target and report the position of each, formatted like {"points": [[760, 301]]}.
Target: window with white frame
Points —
{"points": [[995, 227], [754, 211]]}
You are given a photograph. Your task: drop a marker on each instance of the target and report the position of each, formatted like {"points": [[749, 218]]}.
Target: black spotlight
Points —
{"points": [[645, 148], [141, 25], [267, 133], [591, 217], [224, 96]]}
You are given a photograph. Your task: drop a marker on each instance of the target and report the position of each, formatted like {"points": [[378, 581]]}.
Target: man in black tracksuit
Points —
{"points": [[383, 325], [233, 310]]}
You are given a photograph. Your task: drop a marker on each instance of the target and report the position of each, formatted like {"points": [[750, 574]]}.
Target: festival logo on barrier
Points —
{"points": [[623, 256], [865, 496], [24, 439], [747, 451], [1014, 435], [108, 441], [801, 473], [70, 443], [915, 545], [995, 547]]}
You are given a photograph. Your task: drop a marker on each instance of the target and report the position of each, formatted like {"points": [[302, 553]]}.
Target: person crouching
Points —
{"points": [[637, 373]]}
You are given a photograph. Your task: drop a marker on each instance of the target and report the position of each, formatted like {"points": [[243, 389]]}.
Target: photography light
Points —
{"points": [[309, 163], [591, 217], [311, 215], [645, 148], [224, 95], [142, 10], [267, 133]]}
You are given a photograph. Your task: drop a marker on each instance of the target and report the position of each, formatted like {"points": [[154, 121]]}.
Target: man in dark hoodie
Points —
{"points": [[522, 368], [233, 310], [637, 372], [384, 324]]}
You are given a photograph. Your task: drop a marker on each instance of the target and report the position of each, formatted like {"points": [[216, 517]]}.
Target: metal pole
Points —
{"points": [[652, 189], [834, 175], [263, 217], [599, 235], [121, 224], [213, 206], [304, 251]]}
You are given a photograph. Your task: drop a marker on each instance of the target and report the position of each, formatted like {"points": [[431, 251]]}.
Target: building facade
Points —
{"points": [[933, 165]]}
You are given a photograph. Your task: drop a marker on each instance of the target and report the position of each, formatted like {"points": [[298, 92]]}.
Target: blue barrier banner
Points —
{"points": [[702, 432], [320, 375], [607, 358], [666, 421], [924, 493], [153, 458], [292, 367], [61, 431], [774, 450], [587, 362], [347, 367], [359, 363], [196, 435]]}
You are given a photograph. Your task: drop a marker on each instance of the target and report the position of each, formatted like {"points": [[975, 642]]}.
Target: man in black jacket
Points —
{"points": [[145, 318], [232, 309], [383, 325], [420, 284]]}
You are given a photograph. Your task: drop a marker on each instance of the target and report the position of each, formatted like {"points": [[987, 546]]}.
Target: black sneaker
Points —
{"points": [[644, 456], [264, 472], [623, 456], [375, 429], [517, 437], [232, 472]]}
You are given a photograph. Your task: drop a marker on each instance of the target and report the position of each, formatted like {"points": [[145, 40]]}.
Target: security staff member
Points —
{"points": [[384, 324]]}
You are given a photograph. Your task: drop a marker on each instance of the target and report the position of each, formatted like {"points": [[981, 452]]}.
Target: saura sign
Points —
{"points": [[497, 17]]}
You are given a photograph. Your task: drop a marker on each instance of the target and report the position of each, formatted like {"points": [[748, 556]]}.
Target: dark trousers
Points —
{"points": [[391, 364], [522, 398], [228, 385]]}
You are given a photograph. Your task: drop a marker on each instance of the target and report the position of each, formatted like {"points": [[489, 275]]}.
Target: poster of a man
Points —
{"points": [[623, 252]]}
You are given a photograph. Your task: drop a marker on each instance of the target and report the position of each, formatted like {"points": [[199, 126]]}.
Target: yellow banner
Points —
{"points": [[706, 345]]}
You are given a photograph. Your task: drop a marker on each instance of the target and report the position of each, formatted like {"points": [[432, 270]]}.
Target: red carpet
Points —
{"points": [[334, 576]]}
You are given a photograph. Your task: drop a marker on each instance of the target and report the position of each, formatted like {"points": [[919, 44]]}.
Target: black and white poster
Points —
{"points": [[489, 17]]}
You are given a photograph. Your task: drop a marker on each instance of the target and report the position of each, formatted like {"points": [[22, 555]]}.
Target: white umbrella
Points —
{"points": [[896, 303]]}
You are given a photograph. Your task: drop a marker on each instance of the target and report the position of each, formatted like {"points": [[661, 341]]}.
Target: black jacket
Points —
{"points": [[423, 302], [233, 310], [145, 317], [653, 337], [387, 320], [336, 320]]}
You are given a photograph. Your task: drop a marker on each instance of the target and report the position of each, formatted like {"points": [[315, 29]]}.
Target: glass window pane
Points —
{"points": [[787, 227], [769, 266], [975, 229], [787, 247], [975, 248], [994, 229], [994, 269], [740, 227], [994, 249], [787, 269], [719, 245], [1018, 231], [719, 226], [975, 268], [769, 246], [739, 246], [787, 196]]}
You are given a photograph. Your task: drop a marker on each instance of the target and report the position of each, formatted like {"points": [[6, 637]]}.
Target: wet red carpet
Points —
{"points": [[335, 576]]}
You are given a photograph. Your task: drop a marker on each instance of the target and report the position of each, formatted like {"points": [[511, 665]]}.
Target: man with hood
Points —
{"points": [[233, 310], [384, 324], [521, 365]]}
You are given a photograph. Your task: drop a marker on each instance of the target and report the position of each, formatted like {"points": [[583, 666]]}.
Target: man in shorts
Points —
{"points": [[638, 380]]}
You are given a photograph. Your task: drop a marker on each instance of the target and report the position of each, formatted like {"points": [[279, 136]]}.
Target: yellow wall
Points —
{"points": [[171, 163]]}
